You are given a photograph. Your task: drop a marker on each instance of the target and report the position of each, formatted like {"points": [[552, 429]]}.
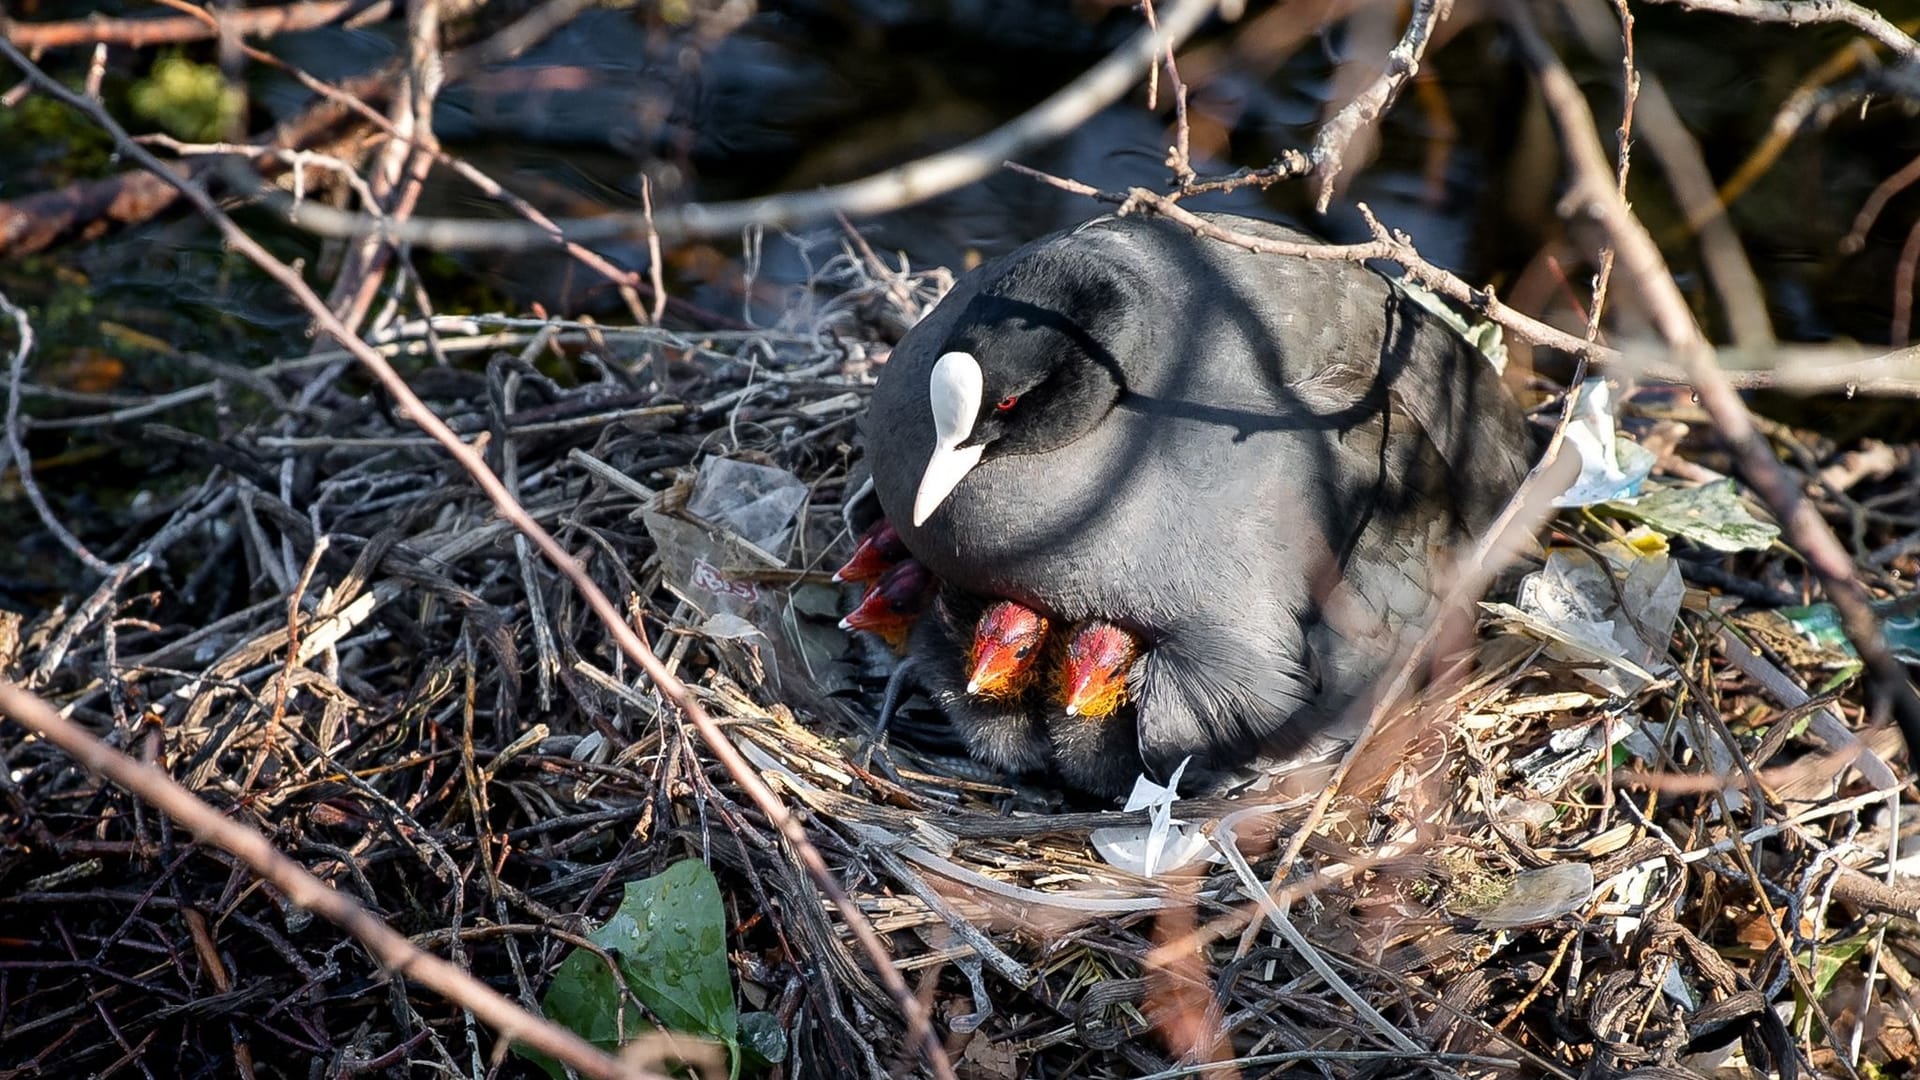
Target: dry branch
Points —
{"points": [[519, 806], [140, 33], [392, 950], [629, 641], [1100, 86], [1812, 13], [1594, 194], [1331, 145]]}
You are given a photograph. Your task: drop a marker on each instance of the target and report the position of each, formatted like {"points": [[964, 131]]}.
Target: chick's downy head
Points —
{"points": [[1004, 656], [1093, 677]]}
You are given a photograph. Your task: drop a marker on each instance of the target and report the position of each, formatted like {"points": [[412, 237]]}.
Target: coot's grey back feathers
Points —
{"points": [[1286, 442]]}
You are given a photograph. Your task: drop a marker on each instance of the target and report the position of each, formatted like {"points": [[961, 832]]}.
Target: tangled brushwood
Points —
{"points": [[1550, 866]]}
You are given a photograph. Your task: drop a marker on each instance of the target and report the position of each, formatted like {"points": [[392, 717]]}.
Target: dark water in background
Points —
{"points": [[806, 93]]}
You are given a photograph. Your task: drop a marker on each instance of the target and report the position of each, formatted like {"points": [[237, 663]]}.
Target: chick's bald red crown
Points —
{"points": [[1003, 658], [1093, 678]]}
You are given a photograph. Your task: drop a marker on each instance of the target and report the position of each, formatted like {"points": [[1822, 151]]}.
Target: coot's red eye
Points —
{"points": [[1007, 402]]}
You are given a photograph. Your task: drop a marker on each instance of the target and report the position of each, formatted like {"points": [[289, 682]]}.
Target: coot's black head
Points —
{"points": [[1034, 362]]}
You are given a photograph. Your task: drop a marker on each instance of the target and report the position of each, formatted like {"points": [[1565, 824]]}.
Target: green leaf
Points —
{"points": [[670, 934], [586, 999], [762, 1040], [1710, 515], [1835, 957], [669, 940]]}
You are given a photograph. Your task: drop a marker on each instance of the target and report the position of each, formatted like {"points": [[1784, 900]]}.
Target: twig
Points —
{"points": [[1900, 326], [1686, 171], [391, 949], [1330, 147], [1396, 1058], [1810, 13], [1593, 193], [1099, 87], [401, 172], [1393, 246], [516, 38], [1809, 96], [1278, 917], [628, 639], [181, 29], [1883, 192], [655, 259], [1623, 164], [1180, 154], [102, 599], [16, 447]]}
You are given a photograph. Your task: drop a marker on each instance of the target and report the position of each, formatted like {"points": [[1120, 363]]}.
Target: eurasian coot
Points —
{"points": [[1258, 464]]}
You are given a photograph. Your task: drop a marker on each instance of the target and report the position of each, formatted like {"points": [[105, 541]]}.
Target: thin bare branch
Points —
{"points": [[1099, 87], [1331, 146], [1812, 13], [1679, 156], [1593, 194], [1801, 368], [16, 446], [139, 33], [152, 784], [624, 635]]}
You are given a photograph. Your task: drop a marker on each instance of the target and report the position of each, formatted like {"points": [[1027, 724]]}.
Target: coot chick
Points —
{"points": [[892, 604], [981, 663], [879, 550], [1256, 462], [1093, 729], [1003, 658]]}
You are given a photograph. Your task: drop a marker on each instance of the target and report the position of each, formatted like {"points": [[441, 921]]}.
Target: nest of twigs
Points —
{"points": [[335, 638]]}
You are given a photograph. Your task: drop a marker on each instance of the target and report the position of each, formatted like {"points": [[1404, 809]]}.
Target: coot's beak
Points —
{"points": [[1093, 681], [879, 549], [954, 392], [892, 604], [1005, 655]]}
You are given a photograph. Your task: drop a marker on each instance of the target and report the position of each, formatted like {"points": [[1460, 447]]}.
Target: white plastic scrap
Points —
{"points": [[1611, 466], [756, 502], [1162, 845], [1574, 604]]}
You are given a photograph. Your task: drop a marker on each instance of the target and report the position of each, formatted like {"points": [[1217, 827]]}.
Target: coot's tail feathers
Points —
{"points": [[1236, 697]]}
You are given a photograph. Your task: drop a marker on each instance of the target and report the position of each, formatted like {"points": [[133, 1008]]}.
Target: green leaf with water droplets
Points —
{"points": [[670, 936], [668, 939]]}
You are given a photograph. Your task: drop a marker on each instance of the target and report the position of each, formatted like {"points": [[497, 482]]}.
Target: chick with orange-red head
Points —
{"points": [[1093, 674], [1020, 695], [984, 664], [1033, 698], [1003, 659], [1094, 732], [879, 550], [893, 603]]}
